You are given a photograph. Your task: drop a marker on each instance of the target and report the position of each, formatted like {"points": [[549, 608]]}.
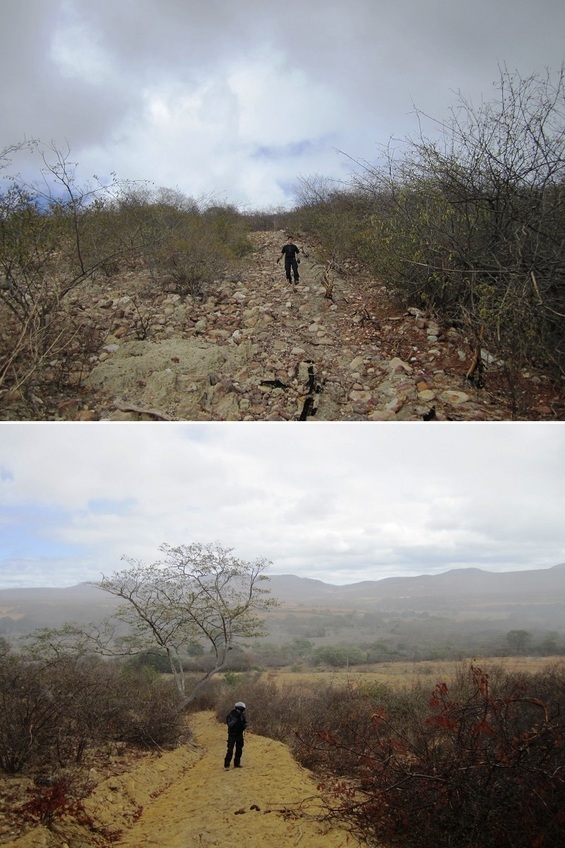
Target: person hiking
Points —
{"points": [[236, 722], [290, 253]]}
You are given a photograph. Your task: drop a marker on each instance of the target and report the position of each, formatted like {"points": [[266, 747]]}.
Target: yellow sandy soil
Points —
{"points": [[185, 798]]}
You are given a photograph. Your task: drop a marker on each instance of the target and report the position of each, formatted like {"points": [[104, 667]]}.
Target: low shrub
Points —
{"points": [[56, 799], [479, 765], [476, 762], [51, 713]]}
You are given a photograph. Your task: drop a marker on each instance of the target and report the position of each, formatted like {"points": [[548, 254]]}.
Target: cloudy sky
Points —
{"points": [[341, 502], [236, 100]]}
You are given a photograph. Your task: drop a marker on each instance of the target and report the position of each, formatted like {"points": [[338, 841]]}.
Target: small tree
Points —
{"points": [[519, 639], [197, 593]]}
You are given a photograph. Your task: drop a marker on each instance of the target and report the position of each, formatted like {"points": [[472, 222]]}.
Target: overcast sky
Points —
{"points": [[238, 99], [341, 502]]}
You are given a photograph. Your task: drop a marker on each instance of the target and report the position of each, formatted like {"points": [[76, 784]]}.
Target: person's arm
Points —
{"points": [[282, 254]]}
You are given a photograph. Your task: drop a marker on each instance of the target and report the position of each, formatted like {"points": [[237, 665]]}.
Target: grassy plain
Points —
{"points": [[399, 675]]}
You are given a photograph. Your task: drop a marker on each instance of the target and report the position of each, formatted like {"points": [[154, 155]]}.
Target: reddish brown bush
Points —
{"points": [[479, 767], [56, 799]]}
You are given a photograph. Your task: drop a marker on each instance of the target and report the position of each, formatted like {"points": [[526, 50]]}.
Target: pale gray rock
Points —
{"points": [[209, 359], [454, 398]]}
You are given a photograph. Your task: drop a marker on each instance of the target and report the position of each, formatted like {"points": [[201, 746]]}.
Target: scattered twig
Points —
{"points": [[328, 284], [123, 406], [536, 287]]}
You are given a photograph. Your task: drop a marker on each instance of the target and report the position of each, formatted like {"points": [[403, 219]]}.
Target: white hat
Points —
{"points": [[240, 705]]}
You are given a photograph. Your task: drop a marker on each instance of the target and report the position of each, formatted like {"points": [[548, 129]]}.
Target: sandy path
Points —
{"points": [[210, 806]]}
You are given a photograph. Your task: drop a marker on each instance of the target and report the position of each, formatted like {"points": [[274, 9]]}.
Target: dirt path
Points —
{"points": [[261, 349], [186, 799], [268, 802]]}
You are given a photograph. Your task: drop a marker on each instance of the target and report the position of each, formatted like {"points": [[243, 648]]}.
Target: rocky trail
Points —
{"points": [[185, 799], [258, 349]]}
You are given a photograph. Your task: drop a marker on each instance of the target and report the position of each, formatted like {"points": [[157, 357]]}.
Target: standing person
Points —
{"points": [[236, 722], [290, 253]]}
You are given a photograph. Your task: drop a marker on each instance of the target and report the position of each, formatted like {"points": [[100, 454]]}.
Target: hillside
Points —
{"points": [[537, 596], [333, 348], [464, 585]]}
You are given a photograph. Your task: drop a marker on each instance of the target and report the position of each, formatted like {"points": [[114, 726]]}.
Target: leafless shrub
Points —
{"points": [[53, 238], [468, 221], [52, 800], [477, 218], [52, 712]]}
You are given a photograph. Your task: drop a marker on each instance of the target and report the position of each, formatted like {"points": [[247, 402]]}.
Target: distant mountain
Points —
{"points": [[22, 610], [467, 592], [463, 585]]}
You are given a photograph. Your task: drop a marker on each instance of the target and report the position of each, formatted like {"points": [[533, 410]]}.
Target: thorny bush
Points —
{"points": [[51, 713], [468, 224], [476, 762], [481, 765]]}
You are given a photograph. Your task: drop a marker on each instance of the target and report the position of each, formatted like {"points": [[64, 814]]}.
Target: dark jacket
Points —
{"points": [[290, 251], [236, 722]]}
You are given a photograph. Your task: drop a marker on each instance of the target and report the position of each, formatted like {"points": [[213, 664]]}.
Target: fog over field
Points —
{"points": [[454, 614]]}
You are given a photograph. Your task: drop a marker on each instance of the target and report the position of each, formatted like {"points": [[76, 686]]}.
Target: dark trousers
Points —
{"points": [[291, 264], [235, 740]]}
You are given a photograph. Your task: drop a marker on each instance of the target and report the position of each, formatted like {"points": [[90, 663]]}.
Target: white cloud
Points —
{"points": [[186, 94], [342, 502], [79, 54]]}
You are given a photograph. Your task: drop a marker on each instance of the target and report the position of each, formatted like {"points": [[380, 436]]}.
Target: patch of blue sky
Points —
{"points": [[288, 186], [6, 476], [273, 152], [31, 531], [107, 506], [198, 432]]}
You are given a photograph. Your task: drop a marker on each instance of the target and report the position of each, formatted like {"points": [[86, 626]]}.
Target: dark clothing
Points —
{"points": [[290, 252], [234, 741], [236, 723]]}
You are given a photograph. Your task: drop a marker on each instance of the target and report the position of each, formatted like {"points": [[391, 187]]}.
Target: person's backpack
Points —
{"points": [[232, 720]]}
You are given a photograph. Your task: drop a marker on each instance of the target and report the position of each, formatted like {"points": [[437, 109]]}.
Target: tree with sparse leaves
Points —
{"points": [[198, 594]]}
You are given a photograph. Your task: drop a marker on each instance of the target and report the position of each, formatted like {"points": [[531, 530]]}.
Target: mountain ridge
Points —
{"points": [[293, 588], [473, 581]]}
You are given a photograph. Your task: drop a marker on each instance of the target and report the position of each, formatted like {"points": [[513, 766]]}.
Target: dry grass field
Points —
{"points": [[403, 674]]}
